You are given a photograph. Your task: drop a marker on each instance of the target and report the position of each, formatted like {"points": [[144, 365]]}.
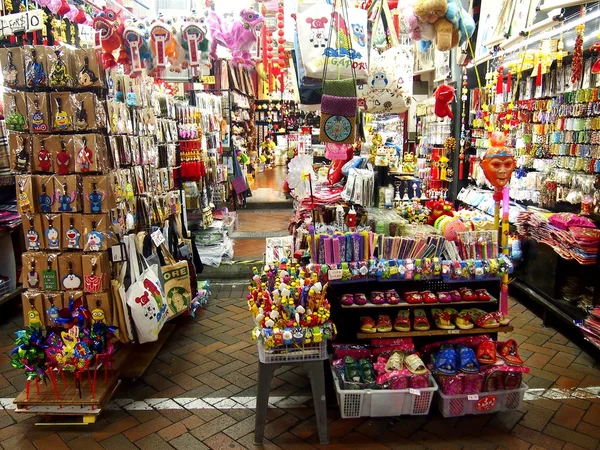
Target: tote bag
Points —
{"points": [[125, 328], [145, 297], [348, 48], [177, 287], [390, 82]]}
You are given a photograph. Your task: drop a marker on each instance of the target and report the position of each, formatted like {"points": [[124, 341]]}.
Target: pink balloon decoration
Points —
{"points": [[54, 6], [72, 13], [43, 2]]}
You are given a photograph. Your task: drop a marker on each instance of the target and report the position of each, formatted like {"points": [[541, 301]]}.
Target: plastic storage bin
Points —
{"points": [[292, 353], [483, 403], [385, 402]]}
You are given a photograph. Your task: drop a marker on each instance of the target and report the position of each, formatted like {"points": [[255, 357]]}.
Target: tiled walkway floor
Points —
{"points": [[199, 393]]}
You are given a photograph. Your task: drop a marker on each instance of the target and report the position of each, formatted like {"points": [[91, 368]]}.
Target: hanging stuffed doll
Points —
{"points": [[444, 95], [194, 41], [111, 30]]}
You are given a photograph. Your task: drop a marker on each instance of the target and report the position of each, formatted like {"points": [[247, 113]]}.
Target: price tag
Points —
{"points": [[21, 22], [453, 331], [157, 238], [473, 397], [208, 79], [414, 391], [334, 274]]}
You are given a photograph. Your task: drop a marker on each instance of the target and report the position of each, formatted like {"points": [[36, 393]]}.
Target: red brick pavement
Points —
{"points": [[199, 393]]}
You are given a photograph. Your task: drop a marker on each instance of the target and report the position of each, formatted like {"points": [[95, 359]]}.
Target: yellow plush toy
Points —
{"points": [[434, 12]]}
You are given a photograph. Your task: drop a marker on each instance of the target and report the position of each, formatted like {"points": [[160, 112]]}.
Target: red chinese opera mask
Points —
{"points": [[498, 162]]}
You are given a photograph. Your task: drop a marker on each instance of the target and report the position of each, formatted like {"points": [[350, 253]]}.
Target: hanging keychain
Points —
{"points": [[98, 315], [15, 120], [58, 73], [81, 117], [45, 200], [92, 282], [129, 195], [52, 236], [33, 278], [84, 157], [131, 96], [86, 76], [44, 160], [95, 199], [73, 235], [119, 96], [22, 161], [94, 239], [49, 277], [66, 199], [32, 236], [71, 280], [23, 199], [38, 125], [63, 159], [10, 72], [33, 316], [61, 119], [52, 311], [35, 75]]}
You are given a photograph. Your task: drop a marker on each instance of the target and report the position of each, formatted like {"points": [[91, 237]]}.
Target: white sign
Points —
{"points": [[414, 391], [334, 274], [157, 237], [473, 397], [21, 22]]}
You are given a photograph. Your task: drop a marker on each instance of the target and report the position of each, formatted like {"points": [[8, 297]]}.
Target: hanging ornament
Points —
{"points": [[94, 239], [86, 76], [58, 73], [81, 117], [32, 237], [596, 65], [192, 36], [52, 312], [84, 156], [10, 72], [52, 236], [73, 235], [92, 283], [498, 162], [71, 280], [163, 46], [133, 41], [63, 159], [61, 118], [577, 64], [33, 316], [34, 74]]}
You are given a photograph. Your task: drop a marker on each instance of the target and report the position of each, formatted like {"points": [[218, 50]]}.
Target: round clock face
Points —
{"points": [[338, 128]]}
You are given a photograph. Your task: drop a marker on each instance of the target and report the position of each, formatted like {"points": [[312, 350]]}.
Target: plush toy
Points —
{"points": [[444, 95], [111, 31], [434, 12], [238, 37], [461, 20], [417, 30]]}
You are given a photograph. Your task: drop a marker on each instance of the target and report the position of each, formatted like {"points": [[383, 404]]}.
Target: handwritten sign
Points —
{"points": [[24, 22], [208, 79]]}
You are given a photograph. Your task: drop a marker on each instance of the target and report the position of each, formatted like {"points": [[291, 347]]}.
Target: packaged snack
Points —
{"points": [[51, 224], [71, 271], [33, 309], [38, 112]]}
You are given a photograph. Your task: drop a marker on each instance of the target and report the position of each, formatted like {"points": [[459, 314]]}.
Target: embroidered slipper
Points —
{"points": [[461, 319], [347, 299], [360, 299], [413, 297], [444, 297], [396, 361], [501, 319], [445, 361], [392, 297], [483, 319], [429, 297], [377, 298], [455, 296], [421, 323], [384, 324], [442, 319], [467, 295], [415, 365], [367, 325], [486, 352], [467, 361], [482, 295], [402, 322], [509, 352]]}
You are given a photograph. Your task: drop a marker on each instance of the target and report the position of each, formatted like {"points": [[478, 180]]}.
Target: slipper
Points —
{"points": [[445, 361], [351, 369], [360, 299], [501, 318], [482, 295], [486, 352], [509, 352], [384, 324], [367, 325], [421, 323], [402, 322], [444, 297], [467, 361], [442, 319], [415, 364], [392, 297], [483, 319], [413, 297], [347, 299], [467, 295], [455, 296], [367, 373], [396, 361], [461, 319], [429, 297], [377, 298]]}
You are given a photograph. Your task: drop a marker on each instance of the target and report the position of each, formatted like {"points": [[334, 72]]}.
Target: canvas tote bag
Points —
{"points": [[177, 286]]}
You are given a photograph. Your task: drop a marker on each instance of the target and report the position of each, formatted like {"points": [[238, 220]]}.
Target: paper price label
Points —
{"points": [[21, 22], [208, 79], [414, 391], [334, 274], [473, 397], [453, 331], [157, 238]]}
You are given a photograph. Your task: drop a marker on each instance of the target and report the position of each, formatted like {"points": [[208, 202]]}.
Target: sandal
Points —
{"points": [[467, 361], [413, 297], [482, 295], [384, 324], [396, 361], [445, 360], [483, 319], [461, 319], [421, 323], [444, 297], [347, 299], [367, 325], [486, 352], [367, 373], [509, 352], [402, 322], [429, 297], [501, 318], [442, 319], [377, 298], [467, 295], [392, 297], [415, 364], [360, 299]]}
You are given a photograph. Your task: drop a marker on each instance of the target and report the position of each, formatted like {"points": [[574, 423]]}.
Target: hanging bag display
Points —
{"points": [[389, 85]]}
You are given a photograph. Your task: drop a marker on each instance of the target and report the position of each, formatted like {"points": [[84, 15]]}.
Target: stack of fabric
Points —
{"points": [[571, 236], [591, 326]]}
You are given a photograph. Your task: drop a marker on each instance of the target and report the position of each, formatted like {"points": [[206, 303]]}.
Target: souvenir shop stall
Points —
{"points": [[102, 152]]}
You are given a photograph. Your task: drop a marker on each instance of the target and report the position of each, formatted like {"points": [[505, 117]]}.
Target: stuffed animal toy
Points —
{"points": [[461, 20], [444, 94], [434, 12], [111, 32], [238, 37], [417, 30]]}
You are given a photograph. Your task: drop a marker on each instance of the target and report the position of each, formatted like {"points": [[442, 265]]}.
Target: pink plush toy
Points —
{"points": [[238, 37], [417, 30]]}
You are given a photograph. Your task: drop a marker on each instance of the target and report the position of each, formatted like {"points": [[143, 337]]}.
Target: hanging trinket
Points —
{"points": [[10, 72], [577, 64], [71, 280], [98, 315], [92, 282], [63, 159], [45, 200], [23, 198], [33, 278], [52, 311], [94, 239], [129, 195], [8, 6], [73, 235], [131, 97], [38, 125], [95, 199], [58, 73], [15, 120], [52, 236], [45, 163], [33, 316], [22, 160], [32, 237], [119, 96], [65, 199], [81, 117], [49, 280], [34, 74], [84, 156], [86, 76], [61, 119]]}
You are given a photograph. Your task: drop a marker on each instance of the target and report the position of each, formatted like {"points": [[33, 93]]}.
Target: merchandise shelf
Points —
{"points": [[399, 334], [421, 305]]}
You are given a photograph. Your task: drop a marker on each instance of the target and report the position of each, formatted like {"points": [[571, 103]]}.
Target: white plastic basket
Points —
{"points": [[385, 402], [483, 403], [292, 353]]}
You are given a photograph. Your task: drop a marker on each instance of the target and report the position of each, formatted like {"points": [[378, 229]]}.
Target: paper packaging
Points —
{"points": [[60, 66], [20, 153], [87, 72], [43, 157], [100, 304], [70, 271], [48, 265], [15, 111], [62, 111], [51, 225], [33, 309], [72, 226], [36, 66], [63, 153], [96, 272], [38, 112], [43, 192], [32, 231], [31, 275], [25, 197], [96, 235], [90, 153], [13, 71], [67, 193], [89, 113], [53, 303], [98, 194]]}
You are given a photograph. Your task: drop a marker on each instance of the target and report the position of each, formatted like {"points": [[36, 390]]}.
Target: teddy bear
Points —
{"points": [[417, 30], [434, 12]]}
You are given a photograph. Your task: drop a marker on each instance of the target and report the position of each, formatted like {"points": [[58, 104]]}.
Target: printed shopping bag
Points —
{"points": [[389, 85], [334, 38], [145, 297], [177, 287]]}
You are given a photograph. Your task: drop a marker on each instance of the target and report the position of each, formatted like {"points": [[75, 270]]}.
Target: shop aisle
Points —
{"points": [[199, 393], [267, 187], [254, 226]]}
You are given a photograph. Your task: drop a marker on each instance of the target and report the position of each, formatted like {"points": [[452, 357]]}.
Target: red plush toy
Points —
{"points": [[444, 95]]}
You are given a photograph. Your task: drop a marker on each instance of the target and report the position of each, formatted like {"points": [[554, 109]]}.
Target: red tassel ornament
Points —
{"points": [[538, 77], [500, 82]]}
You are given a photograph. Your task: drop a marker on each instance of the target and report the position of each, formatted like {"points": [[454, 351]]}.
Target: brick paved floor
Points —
{"points": [[199, 393]]}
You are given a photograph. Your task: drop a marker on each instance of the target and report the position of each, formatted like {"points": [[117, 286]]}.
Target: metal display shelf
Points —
{"points": [[421, 305], [429, 333]]}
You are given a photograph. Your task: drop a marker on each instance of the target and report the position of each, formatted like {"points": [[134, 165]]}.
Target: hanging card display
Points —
{"points": [[49, 263], [101, 307], [43, 188], [20, 152], [32, 231], [25, 198], [53, 303], [71, 231], [97, 234], [37, 106], [51, 224], [87, 70], [60, 67], [62, 111], [98, 194], [62, 149], [11, 61], [31, 274], [67, 195], [96, 272], [33, 309], [34, 58], [70, 270], [15, 111]]}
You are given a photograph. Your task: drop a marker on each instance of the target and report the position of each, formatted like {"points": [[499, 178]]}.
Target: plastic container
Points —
{"points": [[483, 403], [292, 353], [384, 402]]}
